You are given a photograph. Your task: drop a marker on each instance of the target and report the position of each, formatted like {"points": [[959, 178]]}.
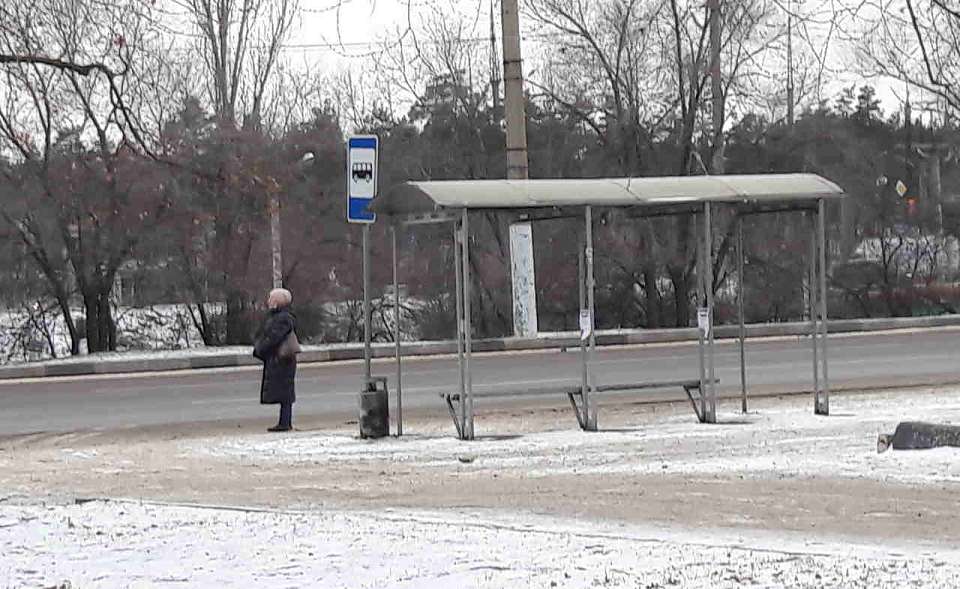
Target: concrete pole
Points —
{"points": [[513, 92], [790, 88], [716, 89], [522, 271], [494, 68], [521, 240]]}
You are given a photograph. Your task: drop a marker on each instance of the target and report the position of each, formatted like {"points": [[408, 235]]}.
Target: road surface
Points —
{"points": [[929, 356]]}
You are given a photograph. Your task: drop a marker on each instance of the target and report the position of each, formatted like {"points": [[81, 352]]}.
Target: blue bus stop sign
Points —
{"points": [[361, 177]]}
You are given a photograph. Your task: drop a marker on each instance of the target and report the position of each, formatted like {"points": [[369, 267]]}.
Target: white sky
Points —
{"points": [[327, 34], [340, 39]]}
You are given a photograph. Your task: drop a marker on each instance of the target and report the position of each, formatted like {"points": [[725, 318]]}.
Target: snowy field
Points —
{"points": [[141, 545], [775, 498]]}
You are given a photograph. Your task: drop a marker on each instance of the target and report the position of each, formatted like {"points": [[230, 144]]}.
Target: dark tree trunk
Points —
{"points": [[64, 303], [681, 296], [680, 271], [239, 319], [652, 295], [202, 324], [100, 329], [108, 329]]}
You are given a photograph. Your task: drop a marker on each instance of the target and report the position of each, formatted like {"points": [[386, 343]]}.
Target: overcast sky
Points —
{"points": [[335, 39], [357, 24]]}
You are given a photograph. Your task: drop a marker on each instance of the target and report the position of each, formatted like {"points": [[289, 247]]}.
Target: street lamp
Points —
{"points": [[276, 248]]}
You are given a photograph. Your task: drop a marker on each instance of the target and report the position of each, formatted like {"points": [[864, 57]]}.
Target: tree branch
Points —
{"points": [[82, 69]]}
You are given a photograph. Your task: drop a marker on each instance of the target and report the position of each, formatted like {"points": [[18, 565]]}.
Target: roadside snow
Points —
{"points": [[780, 438], [120, 544]]}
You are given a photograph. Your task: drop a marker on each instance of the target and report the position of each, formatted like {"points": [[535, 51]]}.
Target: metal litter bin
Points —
{"points": [[375, 409]]}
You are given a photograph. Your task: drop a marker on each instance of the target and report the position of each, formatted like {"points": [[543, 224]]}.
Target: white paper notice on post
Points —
{"points": [[703, 321], [586, 323]]}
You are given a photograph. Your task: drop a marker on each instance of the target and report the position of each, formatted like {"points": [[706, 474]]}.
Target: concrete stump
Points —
{"points": [[916, 435]]}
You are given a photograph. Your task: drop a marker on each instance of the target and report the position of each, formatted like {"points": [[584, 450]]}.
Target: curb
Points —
{"points": [[546, 341]]}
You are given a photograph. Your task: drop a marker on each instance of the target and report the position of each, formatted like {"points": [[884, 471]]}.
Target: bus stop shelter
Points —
{"points": [[453, 202]]}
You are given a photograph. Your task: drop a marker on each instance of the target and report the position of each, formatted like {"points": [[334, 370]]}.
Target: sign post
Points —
{"points": [[362, 153]]}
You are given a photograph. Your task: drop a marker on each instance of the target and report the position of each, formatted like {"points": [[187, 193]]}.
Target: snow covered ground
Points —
{"points": [[159, 327], [162, 331], [144, 545], [783, 439], [776, 498]]}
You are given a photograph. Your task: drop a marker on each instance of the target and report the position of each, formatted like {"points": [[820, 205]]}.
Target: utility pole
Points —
{"points": [[521, 234], [790, 89], [716, 90], [513, 93], [494, 67]]}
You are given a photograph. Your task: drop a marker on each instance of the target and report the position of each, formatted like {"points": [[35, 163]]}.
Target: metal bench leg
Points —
{"points": [[581, 418], [693, 401], [453, 415]]}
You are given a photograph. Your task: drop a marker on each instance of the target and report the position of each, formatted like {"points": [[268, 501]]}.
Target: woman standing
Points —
{"points": [[279, 371]]}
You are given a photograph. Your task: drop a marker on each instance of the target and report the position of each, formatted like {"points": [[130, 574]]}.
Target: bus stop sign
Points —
{"points": [[361, 177]]}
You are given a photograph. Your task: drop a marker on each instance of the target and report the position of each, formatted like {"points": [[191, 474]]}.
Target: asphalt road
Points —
{"points": [[921, 357]]}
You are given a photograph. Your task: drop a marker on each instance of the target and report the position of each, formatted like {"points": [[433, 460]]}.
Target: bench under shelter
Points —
{"points": [[454, 201]]}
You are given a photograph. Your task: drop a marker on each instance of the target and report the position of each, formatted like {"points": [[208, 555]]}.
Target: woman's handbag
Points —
{"points": [[290, 347]]}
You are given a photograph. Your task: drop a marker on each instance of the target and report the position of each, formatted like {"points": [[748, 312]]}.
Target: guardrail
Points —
{"points": [[232, 357]]}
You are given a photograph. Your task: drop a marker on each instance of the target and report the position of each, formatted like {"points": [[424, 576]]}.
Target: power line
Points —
{"points": [[377, 44]]}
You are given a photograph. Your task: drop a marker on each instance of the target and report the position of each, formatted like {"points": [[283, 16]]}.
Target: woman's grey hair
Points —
{"points": [[279, 298]]}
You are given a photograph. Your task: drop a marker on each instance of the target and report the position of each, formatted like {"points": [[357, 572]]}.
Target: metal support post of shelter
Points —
{"points": [[467, 327], [585, 409], [742, 331], [589, 407], [707, 407], [397, 331], [582, 306], [462, 410], [459, 417], [699, 405], [812, 290], [710, 393], [822, 398], [817, 305]]}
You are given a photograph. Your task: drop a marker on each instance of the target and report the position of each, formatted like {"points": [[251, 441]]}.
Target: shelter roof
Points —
{"points": [[757, 191]]}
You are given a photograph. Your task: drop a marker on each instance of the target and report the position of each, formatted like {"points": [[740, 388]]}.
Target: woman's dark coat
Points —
{"points": [[278, 375]]}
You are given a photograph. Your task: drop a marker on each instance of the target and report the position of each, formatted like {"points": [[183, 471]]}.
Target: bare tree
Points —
{"points": [[602, 66], [915, 42], [635, 73], [240, 42], [440, 62], [67, 118]]}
